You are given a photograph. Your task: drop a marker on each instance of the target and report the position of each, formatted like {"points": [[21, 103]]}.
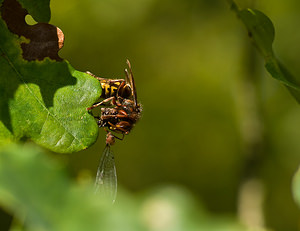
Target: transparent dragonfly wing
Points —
{"points": [[106, 179]]}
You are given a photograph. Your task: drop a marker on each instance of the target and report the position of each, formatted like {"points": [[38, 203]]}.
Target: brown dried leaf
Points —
{"points": [[45, 39]]}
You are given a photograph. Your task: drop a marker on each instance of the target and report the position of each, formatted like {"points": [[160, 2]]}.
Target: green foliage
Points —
{"points": [[32, 183], [261, 30], [44, 100], [198, 146], [35, 185]]}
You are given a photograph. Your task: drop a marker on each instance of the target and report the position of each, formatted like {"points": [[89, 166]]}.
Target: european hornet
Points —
{"points": [[121, 110], [119, 113]]}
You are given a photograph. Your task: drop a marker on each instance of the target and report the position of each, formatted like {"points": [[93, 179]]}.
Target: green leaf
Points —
{"points": [[33, 184], [42, 100], [260, 28], [261, 31], [39, 10]]}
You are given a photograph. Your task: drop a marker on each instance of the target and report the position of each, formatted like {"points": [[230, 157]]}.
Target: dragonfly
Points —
{"points": [[106, 178]]}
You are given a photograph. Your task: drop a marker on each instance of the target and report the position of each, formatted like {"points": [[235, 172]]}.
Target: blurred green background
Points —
{"points": [[213, 117]]}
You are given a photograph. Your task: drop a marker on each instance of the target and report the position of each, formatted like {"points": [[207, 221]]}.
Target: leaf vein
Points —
{"points": [[4, 54]]}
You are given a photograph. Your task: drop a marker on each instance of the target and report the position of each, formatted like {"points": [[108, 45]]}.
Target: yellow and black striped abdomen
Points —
{"points": [[109, 88], [114, 87]]}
